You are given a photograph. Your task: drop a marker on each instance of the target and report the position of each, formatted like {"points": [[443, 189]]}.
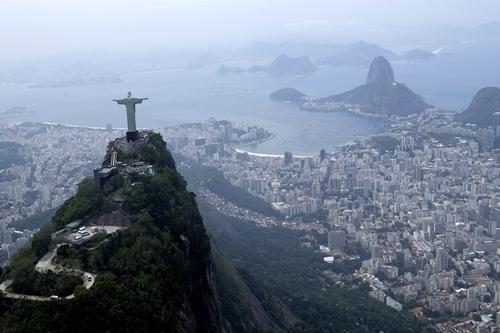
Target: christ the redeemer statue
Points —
{"points": [[130, 102]]}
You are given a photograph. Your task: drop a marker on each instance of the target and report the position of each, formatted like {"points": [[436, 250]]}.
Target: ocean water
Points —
{"points": [[179, 96]]}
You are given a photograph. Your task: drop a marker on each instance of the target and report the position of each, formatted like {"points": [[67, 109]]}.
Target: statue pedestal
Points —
{"points": [[132, 136]]}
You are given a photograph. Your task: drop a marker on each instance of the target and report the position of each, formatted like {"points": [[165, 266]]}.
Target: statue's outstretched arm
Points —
{"points": [[139, 100]]}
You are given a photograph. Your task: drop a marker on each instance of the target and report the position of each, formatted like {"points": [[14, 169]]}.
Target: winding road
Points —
{"points": [[43, 266]]}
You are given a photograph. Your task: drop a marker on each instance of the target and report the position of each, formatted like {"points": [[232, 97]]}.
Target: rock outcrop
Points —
{"points": [[481, 109], [380, 72]]}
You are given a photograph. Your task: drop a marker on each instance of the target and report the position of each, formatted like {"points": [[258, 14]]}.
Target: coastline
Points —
{"points": [[97, 128], [383, 118], [152, 71], [268, 155], [237, 148], [269, 138]]}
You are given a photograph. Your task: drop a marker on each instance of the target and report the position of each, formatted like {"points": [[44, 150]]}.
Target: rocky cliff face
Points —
{"points": [[203, 312], [380, 72], [481, 109]]}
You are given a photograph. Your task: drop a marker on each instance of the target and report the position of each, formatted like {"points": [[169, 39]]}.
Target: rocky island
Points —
{"points": [[289, 95]]}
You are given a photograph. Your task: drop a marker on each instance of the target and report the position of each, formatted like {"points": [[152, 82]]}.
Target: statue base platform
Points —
{"points": [[132, 136]]}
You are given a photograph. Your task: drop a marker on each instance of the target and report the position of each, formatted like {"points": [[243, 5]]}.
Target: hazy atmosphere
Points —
{"points": [[250, 166], [84, 52], [37, 28]]}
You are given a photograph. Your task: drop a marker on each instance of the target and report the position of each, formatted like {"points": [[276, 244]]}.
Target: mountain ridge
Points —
{"points": [[282, 65], [358, 53]]}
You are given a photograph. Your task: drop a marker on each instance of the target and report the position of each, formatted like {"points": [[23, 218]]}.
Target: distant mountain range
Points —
{"points": [[281, 66], [290, 59], [285, 65], [481, 109], [226, 70], [381, 95], [355, 54]]}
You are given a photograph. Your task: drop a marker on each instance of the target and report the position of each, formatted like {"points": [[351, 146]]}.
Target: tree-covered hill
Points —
{"points": [[288, 280], [154, 276]]}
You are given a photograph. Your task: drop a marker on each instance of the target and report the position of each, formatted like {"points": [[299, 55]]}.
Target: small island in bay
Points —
{"points": [[289, 95]]}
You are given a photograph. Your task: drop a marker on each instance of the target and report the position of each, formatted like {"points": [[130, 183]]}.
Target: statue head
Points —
{"points": [[129, 94]]}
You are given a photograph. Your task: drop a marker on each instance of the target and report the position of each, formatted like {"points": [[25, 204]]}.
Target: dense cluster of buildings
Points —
{"points": [[212, 139], [53, 160], [41, 169], [11, 240], [423, 202]]}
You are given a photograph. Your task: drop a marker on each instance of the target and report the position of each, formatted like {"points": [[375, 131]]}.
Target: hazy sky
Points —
{"points": [[40, 27]]}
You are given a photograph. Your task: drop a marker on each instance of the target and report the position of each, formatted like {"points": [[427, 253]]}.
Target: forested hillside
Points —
{"points": [[155, 275]]}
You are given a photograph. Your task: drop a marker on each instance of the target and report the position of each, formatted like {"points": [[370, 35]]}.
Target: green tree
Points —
{"points": [[41, 240]]}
